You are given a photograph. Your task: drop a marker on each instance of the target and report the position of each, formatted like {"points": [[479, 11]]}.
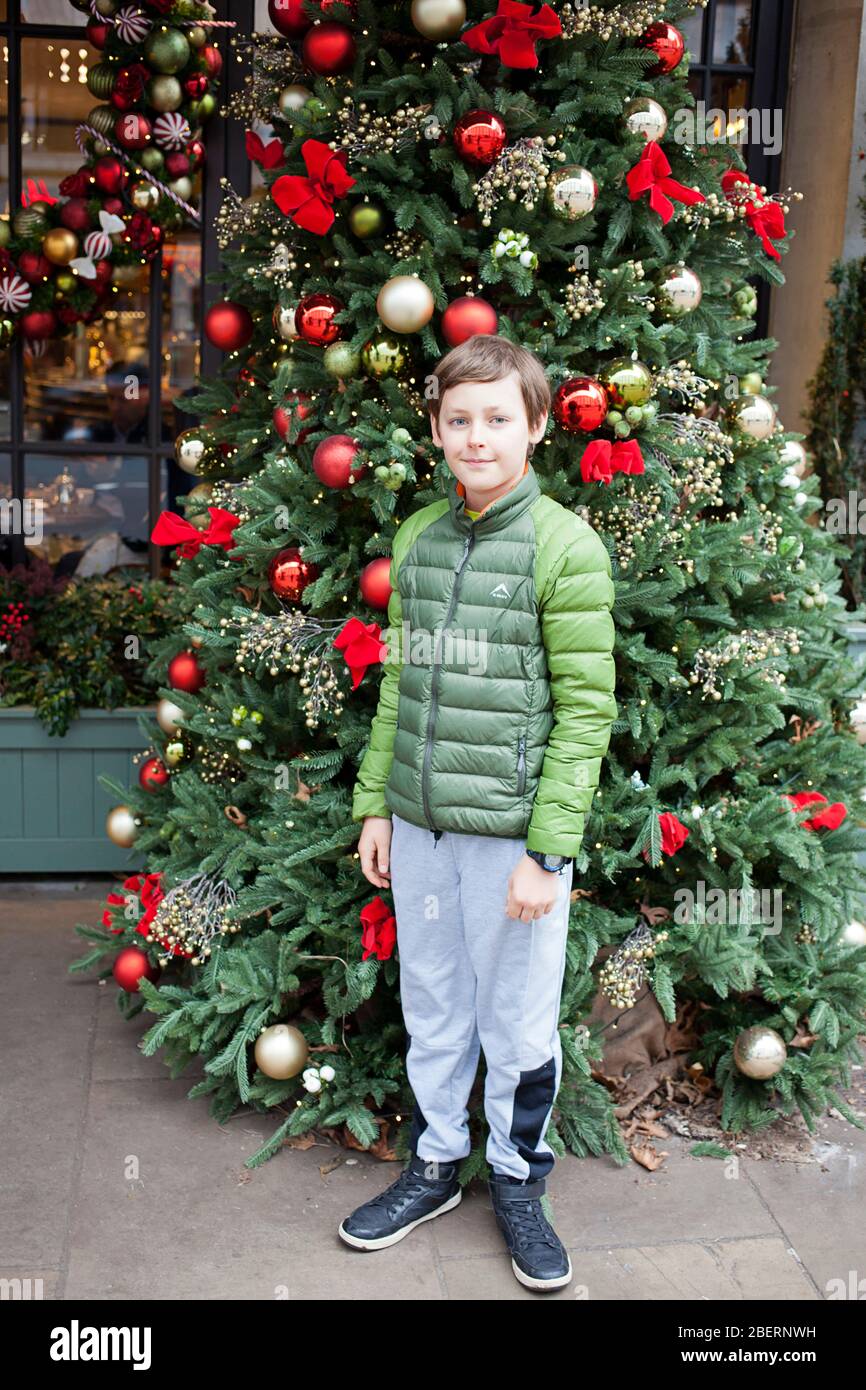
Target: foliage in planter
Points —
{"points": [[68, 643]]}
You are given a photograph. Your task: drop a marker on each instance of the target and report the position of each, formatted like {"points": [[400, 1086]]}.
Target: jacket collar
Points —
{"points": [[498, 513]]}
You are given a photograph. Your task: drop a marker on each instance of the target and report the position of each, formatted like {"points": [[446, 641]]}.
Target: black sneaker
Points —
{"points": [[411, 1199], [538, 1257]]}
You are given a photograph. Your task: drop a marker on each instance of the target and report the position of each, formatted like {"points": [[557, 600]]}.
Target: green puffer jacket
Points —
{"points": [[496, 701]]}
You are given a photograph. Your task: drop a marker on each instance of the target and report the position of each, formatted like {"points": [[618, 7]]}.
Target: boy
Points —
{"points": [[483, 758]]}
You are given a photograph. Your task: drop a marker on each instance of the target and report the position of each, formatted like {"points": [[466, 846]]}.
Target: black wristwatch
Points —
{"points": [[554, 863]]}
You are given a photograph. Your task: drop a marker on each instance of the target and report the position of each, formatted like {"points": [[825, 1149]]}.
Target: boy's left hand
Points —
{"points": [[532, 891]]}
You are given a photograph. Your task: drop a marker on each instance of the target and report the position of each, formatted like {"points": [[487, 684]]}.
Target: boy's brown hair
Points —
{"points": [[487, 357]]}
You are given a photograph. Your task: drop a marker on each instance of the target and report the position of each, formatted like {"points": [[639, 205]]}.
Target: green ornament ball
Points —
{"points": [[634, 415], [5, 231], [340, 360], [401, 435], [167, 50], [366, 220], [152, 159], [100, 79], [164, 92], [29, 222], [102, 118]]}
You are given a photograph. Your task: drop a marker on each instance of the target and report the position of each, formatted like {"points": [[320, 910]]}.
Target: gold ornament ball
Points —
{"points": [[5, 231], [760, 1052], [191, 450], [680, 290], [120, 827], [284, 322], [175, 752], [60, 245], [28, 222], [383, 356], [197, 36], [341, 360], [645, 116], [182, 187], [197, 513], [64, 282], [755, 416], [144, 195], [853, 934], [366, 220], [102, 118], [752, 384], [281, 1051], [292, 98], [627, 382], [795, 456], [169, 716], [438, 19], [164, 93], [571, 193], [405, 304]]}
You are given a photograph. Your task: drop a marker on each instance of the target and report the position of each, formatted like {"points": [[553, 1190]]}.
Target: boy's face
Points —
{"points": [[484, 433]]}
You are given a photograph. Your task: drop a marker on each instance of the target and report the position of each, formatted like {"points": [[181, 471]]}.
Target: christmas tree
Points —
{"points": [[429, 171]]}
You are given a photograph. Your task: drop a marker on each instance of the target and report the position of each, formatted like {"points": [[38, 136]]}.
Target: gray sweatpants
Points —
{"points": [[471, 977]]}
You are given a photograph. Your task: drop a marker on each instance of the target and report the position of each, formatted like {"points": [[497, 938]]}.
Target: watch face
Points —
{"points": [[554, 861]]}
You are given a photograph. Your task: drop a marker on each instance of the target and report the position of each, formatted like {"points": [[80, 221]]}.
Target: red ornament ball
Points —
{"points": [[184, 673], [329, 48], [177, 164], [130, 966], [195, 85], [297, 402], [114, 205], [74, 214], [97, 32], [103, 273], [109, 174], [580, 403], [467, 316], [289, 18], [480, 137], [212, 59], [33, 267], [335, 461], [132, 130], [228, 326], [196, 153], [152, 774], [375, 582], [667, 43], [314, 318], [40, 324], [289, 574]]}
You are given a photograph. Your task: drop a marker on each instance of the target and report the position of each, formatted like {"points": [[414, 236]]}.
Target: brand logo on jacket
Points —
{"points": [[500, 592]]}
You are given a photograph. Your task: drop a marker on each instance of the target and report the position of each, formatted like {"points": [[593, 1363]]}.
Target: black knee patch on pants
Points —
{"points": [[533, 1098]]}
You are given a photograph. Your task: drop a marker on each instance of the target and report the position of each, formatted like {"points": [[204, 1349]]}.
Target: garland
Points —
{"points": [[62, 259]]}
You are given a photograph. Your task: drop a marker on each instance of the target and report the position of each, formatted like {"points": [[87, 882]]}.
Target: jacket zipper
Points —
{"points": [[521, 765], [434, 685]]}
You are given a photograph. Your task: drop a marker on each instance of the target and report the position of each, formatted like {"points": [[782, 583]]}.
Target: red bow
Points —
{"points": [[674, 834], [601, 460], [171, 529], [833, 816], [308, 200], [361, 645], [513, 32], [766, 219], [36, 192], [652, 172], [269, 155], [379, 929]]}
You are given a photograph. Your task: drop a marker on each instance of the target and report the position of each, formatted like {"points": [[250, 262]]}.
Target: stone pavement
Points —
{"points": [[115, 1186]]}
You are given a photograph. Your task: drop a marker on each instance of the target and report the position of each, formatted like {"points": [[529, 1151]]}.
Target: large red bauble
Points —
{"points": [[297, 402], [129, 967], [196, 85], [314, 318], [184, 673], [195, 152], [580, 403], [97, 32], [335, 460], [40, 324], [33, 266], [667, 43], [289, 574], [114, 205], [212, 59], [480, 137], [228, 326], [375, 582], [109, 174], [177, 164], [467, 316], [74, 215], [152, 774], [104, 271], [289, 18], [132, 130], [329, 48]]}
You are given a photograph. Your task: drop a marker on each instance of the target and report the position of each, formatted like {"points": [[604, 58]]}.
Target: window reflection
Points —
{"points": [[98, 498], [49, 12], [181, 295], [54, 100], [728, 92], [732, 34], [5, 495], [692, 28]]}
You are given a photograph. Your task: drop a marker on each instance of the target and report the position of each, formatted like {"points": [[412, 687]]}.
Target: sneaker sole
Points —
{"points": [[527, 1280], [380, 1242]]}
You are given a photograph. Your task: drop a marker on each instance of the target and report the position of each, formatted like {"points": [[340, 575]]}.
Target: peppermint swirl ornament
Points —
{"points": [[97, 245], [15, 294], [171, 130], [132, 24]]}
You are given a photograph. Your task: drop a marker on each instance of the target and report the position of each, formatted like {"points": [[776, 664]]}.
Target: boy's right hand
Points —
{"points": [[374, 848]]}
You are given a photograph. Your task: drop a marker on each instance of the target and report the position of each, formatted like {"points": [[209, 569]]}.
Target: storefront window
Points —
{"points": [[104, 496]]}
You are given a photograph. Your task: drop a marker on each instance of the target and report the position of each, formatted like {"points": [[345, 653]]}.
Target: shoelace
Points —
{"points": [[530, 1224], [407, 1184]]}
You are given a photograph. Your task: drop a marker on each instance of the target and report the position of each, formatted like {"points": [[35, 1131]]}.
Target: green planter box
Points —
{"points": [[52, 808]]}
